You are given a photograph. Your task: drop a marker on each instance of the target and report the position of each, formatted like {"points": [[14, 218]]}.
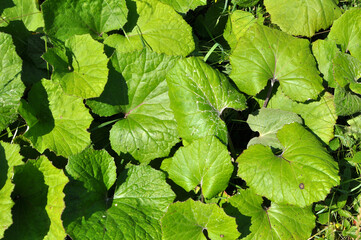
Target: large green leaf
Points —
{"points": [[347, 72], [319, 116], [140, 92], [324, 52], [204, 162], [140, 199], [26, 11], [302, 174], [67, 18], [56, 121], [198, 95], [303, 17], [275, 222], [238, 23], [346, 32], [11, 87], [267, 122], [86, 73], [264, 53], [155, 24], [184, 6], [38, 201], [197, 221], [9, 158], [347, 103]]}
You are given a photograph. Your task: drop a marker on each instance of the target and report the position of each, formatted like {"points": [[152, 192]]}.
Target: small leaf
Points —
{"points": [[204, 162], [267, 122], [303, 17], [56, 121], [264, 53], [67, 18], [198, 95], [302, 174], [9, 158], [11, 86], [346, 32], [139, 91], [198, 221], [85, 75], [275, 222], [140, 199]]}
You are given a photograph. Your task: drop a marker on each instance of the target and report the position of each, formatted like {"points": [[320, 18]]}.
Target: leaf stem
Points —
{"points": [[273, 80]]}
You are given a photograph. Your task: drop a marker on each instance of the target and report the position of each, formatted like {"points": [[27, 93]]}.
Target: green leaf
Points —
{"points": [[9, 158], [324, 52], [86, 73], [197, 221], [346, 32], [303, 17], [238, 23], [67, 18], [198, 95], [26, 11], [122, 44], [319, 116], [158, 26], [245, 3], [56, 121], [275, 222], [204, 162], [267, 122], [140, 199], [39, 201], [264, 53], [347, 103], [140, 92], [302, 174], [355, 128], [184, 6], [11, 86], [347, 72]]}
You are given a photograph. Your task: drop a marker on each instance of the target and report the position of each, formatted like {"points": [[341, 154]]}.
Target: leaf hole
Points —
{"points": [[266, 204], [205, 233]]}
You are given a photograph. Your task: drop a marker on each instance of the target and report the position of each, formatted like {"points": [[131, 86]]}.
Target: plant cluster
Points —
{"points": [[176, 119]]}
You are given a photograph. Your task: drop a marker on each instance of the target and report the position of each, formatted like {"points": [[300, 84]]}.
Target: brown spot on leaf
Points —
{"points": [[302, 186]]}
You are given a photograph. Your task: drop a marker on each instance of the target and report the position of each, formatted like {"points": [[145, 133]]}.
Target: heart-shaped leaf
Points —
{"points": [[204, 162], [264, 53], [302, 174]]}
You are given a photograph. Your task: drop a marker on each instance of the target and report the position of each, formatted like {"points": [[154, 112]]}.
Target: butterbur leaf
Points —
{"points": [[184, 6], [149, 28], [346, 32], [148, 129], [267, 122], [346, 102], [238, 23], [302, 174], [319, 116], [264, 53], [9, 158], [140, 199], [86, 73], [39, 201], [56, 121], [204, 162], [324, 52], [198, 221], [25, 10], [277, 221], [67, 18], [245, 3], [198, 95], [347, 72], [303, 17], [11, 86]]}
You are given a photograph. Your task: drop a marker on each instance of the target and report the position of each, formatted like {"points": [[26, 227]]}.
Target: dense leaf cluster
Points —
{"points": [[158, 119]]}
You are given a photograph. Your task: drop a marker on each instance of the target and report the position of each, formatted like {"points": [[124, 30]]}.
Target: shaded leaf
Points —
{"points": [[347, 72], [347, 103]]}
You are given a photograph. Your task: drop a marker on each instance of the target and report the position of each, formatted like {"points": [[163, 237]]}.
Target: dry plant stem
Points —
{"points": [[273, 80]]}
